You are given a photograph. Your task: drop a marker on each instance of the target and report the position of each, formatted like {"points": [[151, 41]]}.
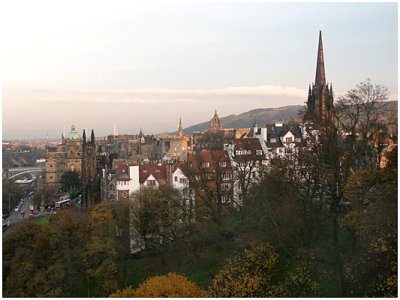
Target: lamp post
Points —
{"points": [[9, 203]]}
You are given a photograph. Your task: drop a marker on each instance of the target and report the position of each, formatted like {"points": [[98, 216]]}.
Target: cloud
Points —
{"points": [[161, 96]]}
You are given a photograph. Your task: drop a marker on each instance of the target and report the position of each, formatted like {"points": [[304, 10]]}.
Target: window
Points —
{"points": [[176, 178], [205, 164], [280, 150], [222, 164], [225, 186], [258, 152], [242, 164], [273, 140], [225, 199], [238, 152], [182, 180], [151, 183], [289, 140], [248, 152], [226, 176], [298, 140]]}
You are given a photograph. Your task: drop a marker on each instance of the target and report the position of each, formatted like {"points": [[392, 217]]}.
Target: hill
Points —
{"points": [[260, 115], [282, 114]]}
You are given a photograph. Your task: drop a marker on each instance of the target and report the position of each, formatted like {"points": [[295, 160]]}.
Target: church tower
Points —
{"points": [[89, 170], [215, 123], [320, 95]]}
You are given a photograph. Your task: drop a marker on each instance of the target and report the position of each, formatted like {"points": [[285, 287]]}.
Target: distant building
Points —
{"points": [[66, 156], [320, 94], [172, 147], [215, 123]]}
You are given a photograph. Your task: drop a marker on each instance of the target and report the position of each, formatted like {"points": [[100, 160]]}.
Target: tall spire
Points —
{"points": [[84, 136], [92, 140], [320, 73], [180, 128]]}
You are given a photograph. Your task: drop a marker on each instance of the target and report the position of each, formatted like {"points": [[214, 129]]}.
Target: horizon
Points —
{"points": [[141, 65]]}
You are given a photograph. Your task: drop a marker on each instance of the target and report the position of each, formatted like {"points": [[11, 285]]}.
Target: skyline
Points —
{"points": [[145, 65]]}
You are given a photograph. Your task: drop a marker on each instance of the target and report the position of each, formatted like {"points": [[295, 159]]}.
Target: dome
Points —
{"points": [[73, 135]]}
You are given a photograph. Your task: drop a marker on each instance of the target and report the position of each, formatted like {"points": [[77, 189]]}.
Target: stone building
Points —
{"points": [[66, 156], [215, 123], [89, 170], [168, 147]]}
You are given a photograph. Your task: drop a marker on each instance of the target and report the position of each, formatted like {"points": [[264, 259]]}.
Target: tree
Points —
{"points": [[372, 263], [99, 254], [157, 216], [127, 292], [362, 117], [70, 182], [171, 285], [255, 272]]}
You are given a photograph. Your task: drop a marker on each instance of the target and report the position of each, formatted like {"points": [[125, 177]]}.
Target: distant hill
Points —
{"points": [[260, 115], [22, 159], [268, 115]]}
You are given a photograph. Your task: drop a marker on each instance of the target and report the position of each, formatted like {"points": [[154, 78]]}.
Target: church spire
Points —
{"points": [[84, 137], [180, 128], [92, 140], [320, 73]]}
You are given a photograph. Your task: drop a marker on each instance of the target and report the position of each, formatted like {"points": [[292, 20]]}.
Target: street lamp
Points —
{"points": [[9, 203]]}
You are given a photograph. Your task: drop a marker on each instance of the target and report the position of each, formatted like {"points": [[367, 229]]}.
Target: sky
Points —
{"points": [[146, 64]]}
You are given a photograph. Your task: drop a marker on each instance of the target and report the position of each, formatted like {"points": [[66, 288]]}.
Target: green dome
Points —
{"points": [[73, 135]]}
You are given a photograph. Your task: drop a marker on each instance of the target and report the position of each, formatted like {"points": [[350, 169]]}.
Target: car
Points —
{"points": [[31, 216]]}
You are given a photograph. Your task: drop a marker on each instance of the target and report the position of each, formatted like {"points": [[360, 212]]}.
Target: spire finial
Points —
{"points": [[320, 72], [180, 128]]}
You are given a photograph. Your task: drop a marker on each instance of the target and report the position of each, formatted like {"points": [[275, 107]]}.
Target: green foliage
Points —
{"points": [[70, 182], [372, 270]]}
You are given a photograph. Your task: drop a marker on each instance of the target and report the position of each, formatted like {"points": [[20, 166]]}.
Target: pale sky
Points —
{"points": [[145, 64]]}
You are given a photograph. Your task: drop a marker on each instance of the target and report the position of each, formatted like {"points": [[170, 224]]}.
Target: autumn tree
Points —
{"points": [[255, 272], [99, 254], [171, 285]]}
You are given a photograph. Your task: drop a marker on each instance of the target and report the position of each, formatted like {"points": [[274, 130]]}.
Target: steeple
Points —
{"points": [[320, 73], [84, 136], [180, 128], [320, 95], [92, 137]]}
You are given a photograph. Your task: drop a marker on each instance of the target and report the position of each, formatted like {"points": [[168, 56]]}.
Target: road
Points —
{"points": [[22, 214]]}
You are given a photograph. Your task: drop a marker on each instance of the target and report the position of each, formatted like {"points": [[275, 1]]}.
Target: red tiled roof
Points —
{"points": [[213, 158], [158, 172], [119, 169]]}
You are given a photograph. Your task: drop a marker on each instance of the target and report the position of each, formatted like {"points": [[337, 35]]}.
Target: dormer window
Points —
{"points": [[273, 140], [289, 140]]}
